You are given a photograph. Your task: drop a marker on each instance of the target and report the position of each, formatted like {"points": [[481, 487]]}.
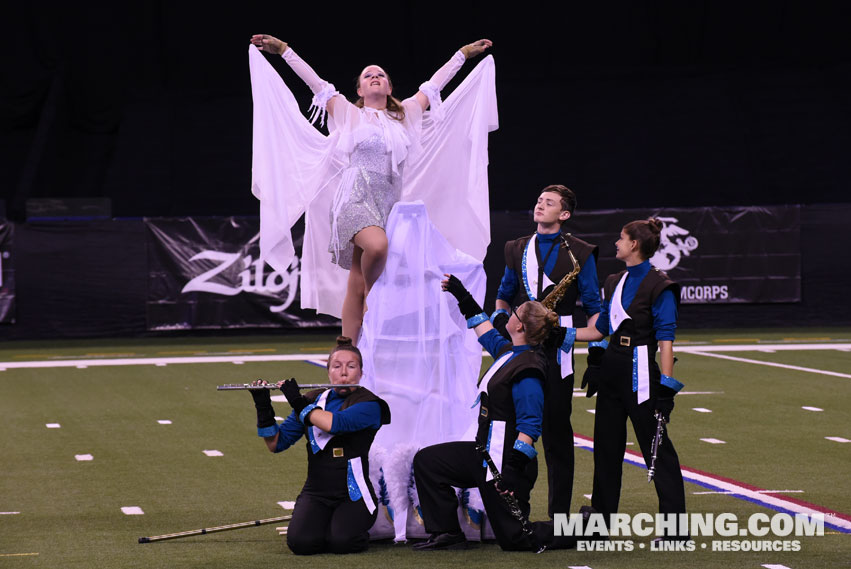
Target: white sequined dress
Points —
{"points": [[370, 185]]}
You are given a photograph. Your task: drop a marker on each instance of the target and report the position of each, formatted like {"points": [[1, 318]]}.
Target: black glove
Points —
{"points": [[513, 468], [499, 322], [664, 403], [466, 303], [555, 339], [294, 397], [263, 404], [591, 378]]}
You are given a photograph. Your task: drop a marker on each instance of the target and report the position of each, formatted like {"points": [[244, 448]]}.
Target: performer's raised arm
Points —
{"points": [[324, 93], [476, 317], [429, 93]]}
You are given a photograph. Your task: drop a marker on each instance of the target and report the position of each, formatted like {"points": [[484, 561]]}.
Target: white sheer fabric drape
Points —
{"points": [[418, 354]]}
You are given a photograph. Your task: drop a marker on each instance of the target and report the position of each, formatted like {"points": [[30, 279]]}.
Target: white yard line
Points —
{"points": [[773, 364], [156, 361], [708, 350], [761, 347]]}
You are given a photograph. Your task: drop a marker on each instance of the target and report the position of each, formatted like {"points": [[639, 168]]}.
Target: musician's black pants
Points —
{"points": [[615, 403], [440, 467], [323, 524], [557, 438]]}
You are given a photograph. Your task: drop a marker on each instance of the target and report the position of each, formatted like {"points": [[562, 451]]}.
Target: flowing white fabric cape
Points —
{"points": [[296, 170], [418, 354]]}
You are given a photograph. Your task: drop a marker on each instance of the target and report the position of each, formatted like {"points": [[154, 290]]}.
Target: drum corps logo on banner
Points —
{"points": [[674, 244]]}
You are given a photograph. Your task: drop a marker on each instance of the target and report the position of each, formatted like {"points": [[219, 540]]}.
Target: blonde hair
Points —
{"points": [[538, 321]]}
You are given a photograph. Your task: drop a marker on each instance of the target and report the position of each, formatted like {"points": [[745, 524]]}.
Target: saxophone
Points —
{"points": [[558, 292]]}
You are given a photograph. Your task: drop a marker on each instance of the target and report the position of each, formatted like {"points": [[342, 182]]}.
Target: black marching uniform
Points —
{"points": [[440, 467], [618, 396], [328, 516], [557, 430]]}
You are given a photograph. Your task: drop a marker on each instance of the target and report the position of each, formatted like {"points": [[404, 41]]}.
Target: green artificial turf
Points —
{"points": [[71, 511]]}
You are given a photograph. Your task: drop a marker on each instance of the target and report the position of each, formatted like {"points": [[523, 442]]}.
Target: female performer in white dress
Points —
{"points": [[374, 141]]}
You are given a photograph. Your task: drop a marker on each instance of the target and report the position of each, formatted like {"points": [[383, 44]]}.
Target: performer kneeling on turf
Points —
{"points": [[511, 398], [337, 504]]}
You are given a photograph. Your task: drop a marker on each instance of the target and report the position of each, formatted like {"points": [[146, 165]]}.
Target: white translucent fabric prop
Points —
{"points": [[290, 161], [296, 170], [418, 354]]}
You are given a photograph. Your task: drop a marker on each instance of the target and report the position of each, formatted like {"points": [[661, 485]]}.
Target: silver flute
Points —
{"points": [[235, 386]]}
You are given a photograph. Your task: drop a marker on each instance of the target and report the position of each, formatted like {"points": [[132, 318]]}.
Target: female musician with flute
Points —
{"points": [[640, 316], [337, 504]]}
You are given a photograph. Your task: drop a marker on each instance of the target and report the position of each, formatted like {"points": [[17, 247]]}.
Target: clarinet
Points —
{"points": [[513, 504], [654, 446]]}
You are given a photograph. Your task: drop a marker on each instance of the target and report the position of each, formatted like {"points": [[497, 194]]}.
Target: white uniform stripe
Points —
{"points": [[357, 469], [320, 436], [643, 374], [566, 358], [497, 446]]}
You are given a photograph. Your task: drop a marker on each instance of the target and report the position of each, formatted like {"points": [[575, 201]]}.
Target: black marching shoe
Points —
{"points": [[443, 541], [586, 512]]}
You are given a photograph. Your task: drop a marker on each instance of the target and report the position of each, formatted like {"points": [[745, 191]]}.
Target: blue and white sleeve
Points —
{"points": [[665, 316], [528, 396], [492, 341], [360, 416], [508, 286], [603, 320], [589, 287], [289, 432]]}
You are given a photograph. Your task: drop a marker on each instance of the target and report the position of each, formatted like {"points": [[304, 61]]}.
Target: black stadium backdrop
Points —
{"points": [[732, 120]]}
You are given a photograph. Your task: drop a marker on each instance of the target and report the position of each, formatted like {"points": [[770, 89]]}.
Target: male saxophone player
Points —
{"points": [[534, 264]]}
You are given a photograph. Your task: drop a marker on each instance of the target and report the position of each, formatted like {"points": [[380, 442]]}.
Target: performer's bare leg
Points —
{"points": [[373, 242], [353, 302], [370, 256]]}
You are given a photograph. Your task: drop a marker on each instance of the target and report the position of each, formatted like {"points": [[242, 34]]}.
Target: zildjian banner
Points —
{"points": [[207, 273]]}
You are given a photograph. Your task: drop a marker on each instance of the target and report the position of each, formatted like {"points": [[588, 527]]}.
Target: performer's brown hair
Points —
{"points": [[538, 321], [647, 232], [568, 197], [345, 343]]}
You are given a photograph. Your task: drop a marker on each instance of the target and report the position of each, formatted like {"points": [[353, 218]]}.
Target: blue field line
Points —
{"points": [[689, 477]]}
